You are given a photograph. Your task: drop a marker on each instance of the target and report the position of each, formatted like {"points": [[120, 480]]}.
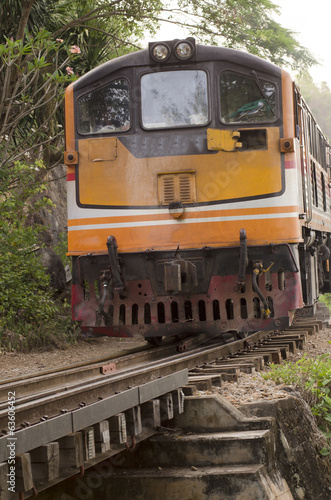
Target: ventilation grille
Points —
{"points": [[177, 186], [168, 189]]}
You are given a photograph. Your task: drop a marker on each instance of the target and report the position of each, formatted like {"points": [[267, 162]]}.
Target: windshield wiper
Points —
{"points": [[257, 80]]}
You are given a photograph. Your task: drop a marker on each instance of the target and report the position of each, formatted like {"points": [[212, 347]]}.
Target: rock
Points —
{"points": [[68, 274], [299, 440], [54, 267]]}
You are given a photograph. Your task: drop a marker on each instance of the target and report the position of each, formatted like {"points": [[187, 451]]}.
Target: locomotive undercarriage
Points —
{"points": [[314, 258], [163, 293]]}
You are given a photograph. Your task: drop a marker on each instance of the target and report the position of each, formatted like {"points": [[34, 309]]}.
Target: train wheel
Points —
{"points": [[154, 341]]}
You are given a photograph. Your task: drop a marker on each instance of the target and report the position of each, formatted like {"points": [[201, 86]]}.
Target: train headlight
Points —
{"points": [[183, 50], [160, 52], [172, 51]]}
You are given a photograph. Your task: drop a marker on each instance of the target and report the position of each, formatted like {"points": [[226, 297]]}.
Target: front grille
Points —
{"points": [[177, 186]]}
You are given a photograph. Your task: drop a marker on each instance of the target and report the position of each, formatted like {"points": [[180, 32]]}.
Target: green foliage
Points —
{"points": [[11, 12], [247, 25], [326, 299], [23, 282], [104, 37], [318, 98], [33, 78], [29, 312], [312, 377], [61, 249], [102, 29]]}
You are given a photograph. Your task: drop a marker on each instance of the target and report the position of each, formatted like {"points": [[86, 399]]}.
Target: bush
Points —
{"points": [[33, 75], [312, 377], [27, 304], [326, 299]]}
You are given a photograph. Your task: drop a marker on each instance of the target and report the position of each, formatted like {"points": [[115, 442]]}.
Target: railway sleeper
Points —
{"points": [[229, 371], [215, 380], [317, 323], [298, 339], [203, 383], [290, 344], [310, 330], [257, 359], [282, 347], [242, 366]]}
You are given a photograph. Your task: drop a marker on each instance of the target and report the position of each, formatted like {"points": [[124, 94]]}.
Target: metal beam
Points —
{"points": [[50, 430], [158, 387], [106, 408]]}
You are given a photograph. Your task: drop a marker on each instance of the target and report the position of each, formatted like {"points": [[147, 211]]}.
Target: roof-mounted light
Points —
{"points": [[172, 51], [184, 50], [160, 52]]}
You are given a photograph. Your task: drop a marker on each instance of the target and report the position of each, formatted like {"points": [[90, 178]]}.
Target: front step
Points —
{"points": [[203, 450], [248, 482]]}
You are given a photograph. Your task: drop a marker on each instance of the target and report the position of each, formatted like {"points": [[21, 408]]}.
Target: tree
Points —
{"points": [[33, 75], [246, 25], [318, 98], [241, 24], [34, 64]]}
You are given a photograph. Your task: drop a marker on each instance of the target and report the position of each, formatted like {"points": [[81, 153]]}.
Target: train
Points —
{"points": [[198, 195]]}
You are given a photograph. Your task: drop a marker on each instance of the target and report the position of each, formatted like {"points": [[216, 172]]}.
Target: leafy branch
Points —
{"points": [[32, 95]]}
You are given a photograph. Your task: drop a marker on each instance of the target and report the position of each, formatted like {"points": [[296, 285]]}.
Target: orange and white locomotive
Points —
{"points": [[198, 194]]}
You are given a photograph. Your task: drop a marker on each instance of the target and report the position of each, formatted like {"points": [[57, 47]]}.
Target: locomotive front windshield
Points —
{"points": [[246, 99], [105, 109], [178, 98], [174, 99]]}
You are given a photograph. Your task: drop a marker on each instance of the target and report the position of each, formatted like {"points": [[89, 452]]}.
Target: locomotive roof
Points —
{"points": [[203, 53]]}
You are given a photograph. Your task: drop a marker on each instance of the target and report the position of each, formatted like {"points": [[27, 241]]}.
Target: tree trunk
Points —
{"points": [[26, 9]]}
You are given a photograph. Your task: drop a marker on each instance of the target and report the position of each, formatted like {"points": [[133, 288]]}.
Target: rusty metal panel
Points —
{"points": [[109, 368]]}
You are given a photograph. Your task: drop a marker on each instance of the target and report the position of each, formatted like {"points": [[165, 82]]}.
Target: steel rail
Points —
{"points": [[36, 382]]}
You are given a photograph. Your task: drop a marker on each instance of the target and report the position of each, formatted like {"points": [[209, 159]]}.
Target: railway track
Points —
{"points": [[43, 396], [276, 347], [56, 403]]}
